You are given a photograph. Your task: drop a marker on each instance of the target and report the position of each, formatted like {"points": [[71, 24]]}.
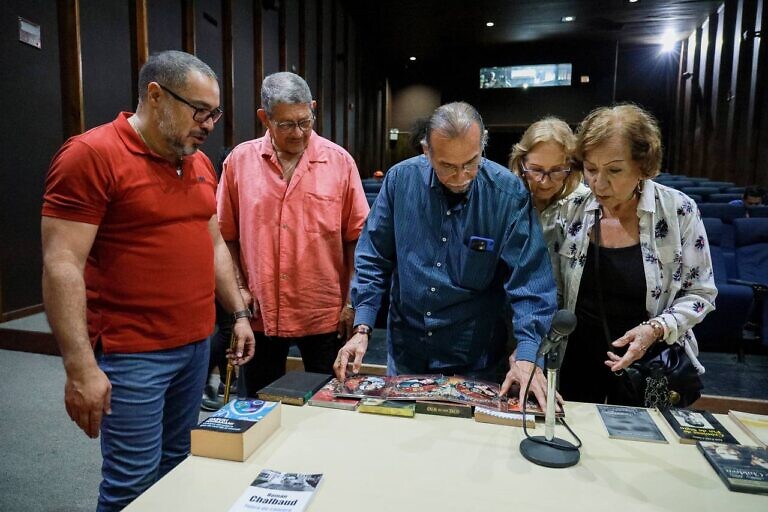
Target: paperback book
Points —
{"points": [[515, 419], [755, 425], [294, 388], [387, 407], [275, 491], [325, 398], [741, 468], [630, 423], [691, 425], [236, 430]]}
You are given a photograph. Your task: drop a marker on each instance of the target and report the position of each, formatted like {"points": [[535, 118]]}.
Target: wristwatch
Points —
{"points": [[362, 329], [243, 313]]}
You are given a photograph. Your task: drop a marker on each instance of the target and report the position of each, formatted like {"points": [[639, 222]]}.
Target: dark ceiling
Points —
{"points": [[429, 29]]}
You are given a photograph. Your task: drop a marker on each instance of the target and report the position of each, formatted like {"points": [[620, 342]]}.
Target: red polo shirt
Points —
{"points": [[150, 274]]}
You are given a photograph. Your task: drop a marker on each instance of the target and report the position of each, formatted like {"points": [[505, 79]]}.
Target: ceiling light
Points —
{"points": [[668, 41], [489, 23], [633, 1], [412, 58], [568, 19]]}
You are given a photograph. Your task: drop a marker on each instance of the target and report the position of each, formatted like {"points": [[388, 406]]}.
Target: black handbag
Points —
{"points": [[664, 376]]}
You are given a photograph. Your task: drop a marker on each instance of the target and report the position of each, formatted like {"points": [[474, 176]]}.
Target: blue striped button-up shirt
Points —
{"points": [[447, 298]]}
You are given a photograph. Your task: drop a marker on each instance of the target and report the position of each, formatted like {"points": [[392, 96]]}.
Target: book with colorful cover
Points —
{"points": [[275, 491], [691, 425], [741, 468], [754, 425], [236, 430], [630, 423], [325, 398], [456, 389]]}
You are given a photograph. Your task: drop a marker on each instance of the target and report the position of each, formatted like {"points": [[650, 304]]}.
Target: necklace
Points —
{"points": [[288, 167]]}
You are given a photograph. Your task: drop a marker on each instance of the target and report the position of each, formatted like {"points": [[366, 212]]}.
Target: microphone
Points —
{"points": [[549, 450], [563, 324]]}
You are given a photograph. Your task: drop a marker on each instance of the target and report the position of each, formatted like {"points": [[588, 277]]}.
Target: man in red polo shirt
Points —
{"points": [[132, 256], [291, 207]]}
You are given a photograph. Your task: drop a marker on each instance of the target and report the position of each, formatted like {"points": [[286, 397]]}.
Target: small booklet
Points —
{"points": [[294, 388], [691, 425], [630, 423], [274, 491], [387, 407], [741, 468], [755, 425]]}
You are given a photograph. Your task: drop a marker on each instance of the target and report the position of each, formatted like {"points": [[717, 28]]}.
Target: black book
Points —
{"points": [[294, 388], [632, 423], [692, 425], [741, 468]]}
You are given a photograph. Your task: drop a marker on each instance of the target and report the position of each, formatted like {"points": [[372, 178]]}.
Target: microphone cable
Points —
{"points": [[543, 440]]}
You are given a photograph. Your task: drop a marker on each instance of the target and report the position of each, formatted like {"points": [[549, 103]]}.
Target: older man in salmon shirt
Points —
{"points": [[291, 207]]}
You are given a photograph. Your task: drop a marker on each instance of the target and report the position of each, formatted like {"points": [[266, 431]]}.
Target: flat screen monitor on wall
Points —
{"points": [[535, 75]]}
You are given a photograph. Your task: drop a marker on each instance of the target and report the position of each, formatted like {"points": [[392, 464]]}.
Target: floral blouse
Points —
{"points": [[548, 217], [676, 259]]}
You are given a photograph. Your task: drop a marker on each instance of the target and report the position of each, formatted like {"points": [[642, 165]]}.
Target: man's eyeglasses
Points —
{"points": [[200, 115], [448, 170], [288, 126], [554, 174]]}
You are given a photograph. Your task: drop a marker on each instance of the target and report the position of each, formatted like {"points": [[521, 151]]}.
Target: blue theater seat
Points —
{"points": [[702, 191], [723, 328], [757, 211], [726, 213], [371, 185], [723, 198], [371, 197], [751, 245], [722, 185], [734, 190]]}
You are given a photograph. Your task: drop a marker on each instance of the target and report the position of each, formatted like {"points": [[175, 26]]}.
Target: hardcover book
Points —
{"points": [[294, 388], [631, 423], [741, 468], [236, 430], [387, 407], [274, 491], [515, 419], [325, 398], [755, 425], [691, 425]]}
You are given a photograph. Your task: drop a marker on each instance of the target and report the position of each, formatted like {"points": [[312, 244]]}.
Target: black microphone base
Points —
{"points": [[563, 455]]}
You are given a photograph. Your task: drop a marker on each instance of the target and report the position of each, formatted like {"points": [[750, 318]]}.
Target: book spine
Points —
{"points": [[290, 400], [447, 409]]}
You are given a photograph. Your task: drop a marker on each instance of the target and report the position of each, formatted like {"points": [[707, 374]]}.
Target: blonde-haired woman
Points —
{"points": [[544, 160]]}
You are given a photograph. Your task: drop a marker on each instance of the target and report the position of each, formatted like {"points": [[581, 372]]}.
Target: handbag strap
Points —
{"points": [[600, 302]]}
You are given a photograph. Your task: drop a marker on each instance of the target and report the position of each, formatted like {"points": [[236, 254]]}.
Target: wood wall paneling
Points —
{"points": [[756, 88], [761, 111], [228, 77], [209, 41], [139, 42], [71, 67], [244, 49], [189, 22], [258, 61], [292, 36], [165, 25]]}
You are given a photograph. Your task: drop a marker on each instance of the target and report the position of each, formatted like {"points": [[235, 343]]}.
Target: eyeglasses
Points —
{"points": [[200, 115], [448, 170], [288, 126], [554, 174]]}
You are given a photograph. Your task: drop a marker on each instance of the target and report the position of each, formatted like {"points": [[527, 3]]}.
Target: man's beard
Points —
{"points": [[170, 133]]}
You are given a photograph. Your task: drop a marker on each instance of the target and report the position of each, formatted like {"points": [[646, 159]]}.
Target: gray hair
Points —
{"points": [[454, 120], [170, 68], [284, 87]]}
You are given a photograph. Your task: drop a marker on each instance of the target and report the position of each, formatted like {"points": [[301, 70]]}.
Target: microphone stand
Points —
{"points": [[548, 450]]}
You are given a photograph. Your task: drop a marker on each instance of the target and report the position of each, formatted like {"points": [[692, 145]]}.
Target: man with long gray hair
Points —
{"points": [[291, 207], [132, 256], [453, 239]]}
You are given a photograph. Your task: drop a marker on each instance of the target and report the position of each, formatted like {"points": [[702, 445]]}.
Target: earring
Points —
{"points": [[639, 187]]}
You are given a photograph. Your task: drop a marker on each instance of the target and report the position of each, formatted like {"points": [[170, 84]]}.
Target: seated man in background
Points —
{"points": [[753, 196], [454, 238], [131, 257], [291, 207]]}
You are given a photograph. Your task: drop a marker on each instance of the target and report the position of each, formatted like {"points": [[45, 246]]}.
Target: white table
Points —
{"points": [[432, 463]]}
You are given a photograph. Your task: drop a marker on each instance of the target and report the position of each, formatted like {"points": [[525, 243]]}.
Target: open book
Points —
{"points": [[437, 387]]}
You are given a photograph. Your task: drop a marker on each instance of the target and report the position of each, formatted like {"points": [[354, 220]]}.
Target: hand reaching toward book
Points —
{"points": [[519, 372], [353, 350]]}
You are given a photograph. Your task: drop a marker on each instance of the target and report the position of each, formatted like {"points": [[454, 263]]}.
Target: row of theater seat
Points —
{"points": [[741, 276]]}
